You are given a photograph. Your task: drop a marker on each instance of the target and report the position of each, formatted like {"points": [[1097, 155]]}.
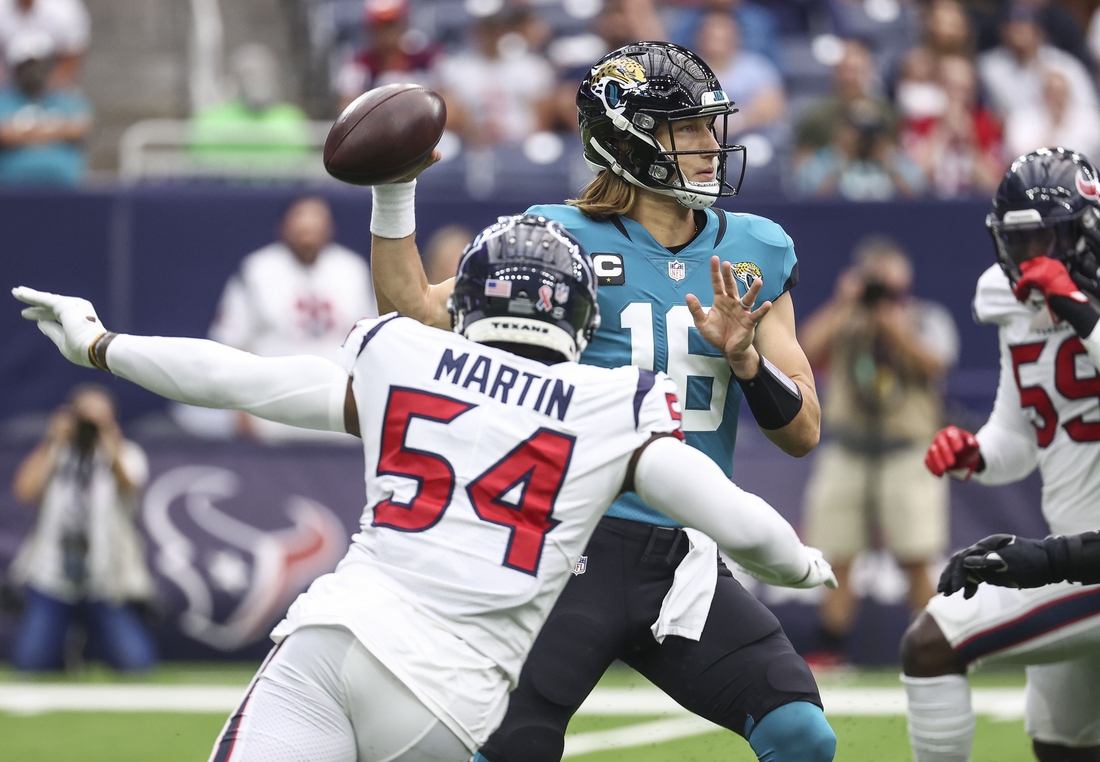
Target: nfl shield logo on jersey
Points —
{"points": [[580, 566], [676, 270]]}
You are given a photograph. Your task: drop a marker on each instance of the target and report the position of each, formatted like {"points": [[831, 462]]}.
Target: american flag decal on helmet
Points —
{"points": [[498, 288]]}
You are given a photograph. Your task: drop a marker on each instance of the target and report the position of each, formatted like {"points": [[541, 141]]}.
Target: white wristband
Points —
{"points": [[393, 212]]}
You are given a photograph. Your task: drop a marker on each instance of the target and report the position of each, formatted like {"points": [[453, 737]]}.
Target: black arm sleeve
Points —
{"points": [[1082, 317], [773, 398], [1075, 558]]}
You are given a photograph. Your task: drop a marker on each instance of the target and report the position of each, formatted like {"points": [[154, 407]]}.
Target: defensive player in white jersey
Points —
{"points": [[489, 460], [1043, 299]]}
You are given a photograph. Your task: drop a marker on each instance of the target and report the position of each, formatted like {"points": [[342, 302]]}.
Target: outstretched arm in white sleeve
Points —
{"points": [[303, 391], [686, 485]]}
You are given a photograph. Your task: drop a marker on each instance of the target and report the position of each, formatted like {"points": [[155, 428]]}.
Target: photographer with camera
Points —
{"points": [[885, 353], [84, 559]]}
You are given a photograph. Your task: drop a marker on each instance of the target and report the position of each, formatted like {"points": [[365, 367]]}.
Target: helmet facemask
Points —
{"points": [[640, 147], [1075, 241]]}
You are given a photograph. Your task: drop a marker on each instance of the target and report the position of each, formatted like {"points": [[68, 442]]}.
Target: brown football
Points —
{"points": [[384, 134]]}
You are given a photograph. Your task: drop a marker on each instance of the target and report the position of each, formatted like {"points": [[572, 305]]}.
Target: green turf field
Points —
{"points": [[127, 736]]}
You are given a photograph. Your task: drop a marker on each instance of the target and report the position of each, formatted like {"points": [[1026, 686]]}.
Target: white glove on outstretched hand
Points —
{"points": [[69, 322], [819, 573]]}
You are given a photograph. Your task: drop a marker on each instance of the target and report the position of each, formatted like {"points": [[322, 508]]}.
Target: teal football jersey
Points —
{"points": [[645, 321]]}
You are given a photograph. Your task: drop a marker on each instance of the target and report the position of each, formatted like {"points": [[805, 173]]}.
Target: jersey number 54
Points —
{"points": [[536, 466]]}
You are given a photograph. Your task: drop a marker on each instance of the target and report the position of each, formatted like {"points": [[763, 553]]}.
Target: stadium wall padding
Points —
{"points": [[154, 260], [235, 530]]}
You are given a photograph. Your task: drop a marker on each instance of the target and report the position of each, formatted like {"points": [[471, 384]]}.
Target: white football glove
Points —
{"points": [[69, 322], [820, 573]]}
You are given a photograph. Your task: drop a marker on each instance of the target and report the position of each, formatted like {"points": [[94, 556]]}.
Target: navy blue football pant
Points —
{"points": [[743, 673]]}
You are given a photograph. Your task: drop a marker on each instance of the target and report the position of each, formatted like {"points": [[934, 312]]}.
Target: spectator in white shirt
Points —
{"points": [[494, 92], [1013, 73], [297, 296], [1056, 120], [65, 21]]}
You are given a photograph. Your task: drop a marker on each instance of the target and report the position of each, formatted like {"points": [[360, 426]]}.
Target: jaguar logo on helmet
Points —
{"points": [[1087, 185], [611, 79], [625, 70]]}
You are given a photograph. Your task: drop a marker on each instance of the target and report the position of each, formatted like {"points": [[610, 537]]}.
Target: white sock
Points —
{"points": [[941, 721]]}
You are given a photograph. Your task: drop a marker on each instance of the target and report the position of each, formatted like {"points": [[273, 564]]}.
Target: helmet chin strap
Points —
{"points": [[698, 200]]}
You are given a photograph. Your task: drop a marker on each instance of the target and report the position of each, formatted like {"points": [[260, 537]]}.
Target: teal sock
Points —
{"points": [[795, 732]]}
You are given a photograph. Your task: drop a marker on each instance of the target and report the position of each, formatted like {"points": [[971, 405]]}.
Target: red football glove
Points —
{"points": [[1048, 276], [955, 452]]}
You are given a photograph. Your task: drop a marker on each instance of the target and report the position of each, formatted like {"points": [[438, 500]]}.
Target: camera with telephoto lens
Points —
{"points": [[875, 292], [87, 432]]}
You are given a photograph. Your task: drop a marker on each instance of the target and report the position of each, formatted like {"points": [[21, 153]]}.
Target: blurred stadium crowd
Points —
{"points": [[856, 99]]}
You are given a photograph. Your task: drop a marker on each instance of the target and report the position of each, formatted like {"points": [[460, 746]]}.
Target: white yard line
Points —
{"points": [[641, 734], [34, 698], [999, 703]]}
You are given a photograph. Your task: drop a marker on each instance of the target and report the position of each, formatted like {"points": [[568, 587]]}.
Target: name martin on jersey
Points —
{"points": [[549, 396]]}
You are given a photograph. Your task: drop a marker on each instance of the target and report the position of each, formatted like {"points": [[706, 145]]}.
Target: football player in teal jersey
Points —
{"points": [[646, 591]]}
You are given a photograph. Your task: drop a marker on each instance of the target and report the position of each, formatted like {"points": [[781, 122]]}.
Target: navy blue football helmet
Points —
{"points": [[629, 93], [1048, 204], [526, 280]]}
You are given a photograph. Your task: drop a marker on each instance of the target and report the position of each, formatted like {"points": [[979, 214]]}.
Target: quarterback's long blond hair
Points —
{"points": [[604, 197]]}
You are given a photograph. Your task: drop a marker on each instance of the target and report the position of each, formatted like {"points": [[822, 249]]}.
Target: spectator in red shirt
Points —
{"points": [[394, 53], [954, 140]]}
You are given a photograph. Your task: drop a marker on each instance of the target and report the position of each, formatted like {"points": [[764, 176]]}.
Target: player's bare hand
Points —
{"points": [[730, 324], [62, 425], [70, 322], [849, 286], [433, 158]]}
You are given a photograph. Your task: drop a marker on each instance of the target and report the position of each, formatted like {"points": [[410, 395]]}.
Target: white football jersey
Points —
{"points": [[486, 474], [1047, 412]]}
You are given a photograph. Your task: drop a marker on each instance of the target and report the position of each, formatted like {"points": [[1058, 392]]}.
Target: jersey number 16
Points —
{"points": [[691, 370]]}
